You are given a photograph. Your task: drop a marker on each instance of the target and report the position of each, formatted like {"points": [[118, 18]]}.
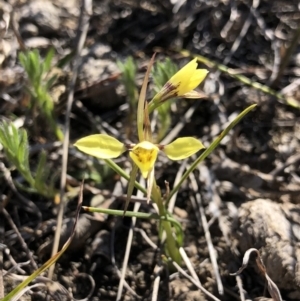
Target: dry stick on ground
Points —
{"points": [[294, 159], [113, 261], [15, 266], [180, 125], [179, 174], [286, 58], [1, 270], [2, 246], [240, 286], [189, 265], [146, 238], [291, 87], [28, 205], [128, 244], [50, 285], [15, 28], [232, 18], [203, 221], [86, 11], [239, 39], [22, 242], [28, 288], [196, 283], [157, 271], [118, 191], [208, 177]]}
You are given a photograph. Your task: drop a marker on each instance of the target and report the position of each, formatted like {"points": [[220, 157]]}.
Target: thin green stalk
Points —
{"points": [[142, 215], [171, 244], [245, 80]]}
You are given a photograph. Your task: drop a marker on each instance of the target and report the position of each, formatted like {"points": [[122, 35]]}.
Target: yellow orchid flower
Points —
{"points": [[183, 83], [143, 154]]}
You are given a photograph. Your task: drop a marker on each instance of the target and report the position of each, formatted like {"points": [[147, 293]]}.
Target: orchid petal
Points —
{"points": [[101, 146], [187, 78], [182, 148]]}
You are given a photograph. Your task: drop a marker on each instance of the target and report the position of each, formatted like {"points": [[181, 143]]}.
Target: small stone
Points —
{"points": [[29, 30], [43, 14]]}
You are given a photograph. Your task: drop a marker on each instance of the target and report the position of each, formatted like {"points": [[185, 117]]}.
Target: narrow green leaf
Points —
{"points": [[64, 61], [22, 148], [142, 99], [207, 152], [3, 138], [23, 60], [48, 59], [41, 173], [51, 81]]}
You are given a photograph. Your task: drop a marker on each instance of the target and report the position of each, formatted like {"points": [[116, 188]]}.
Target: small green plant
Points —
{"points": [[15, 145], [144, 153], [37, 70]]}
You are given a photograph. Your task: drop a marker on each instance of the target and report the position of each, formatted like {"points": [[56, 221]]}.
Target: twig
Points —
{"points": [[16, 266], [172, 201], [86, 11], [233, 16], [157, 272], [211, 249], [180, 125], [113, 261], [128, 247], [286, 58], [281, 167], [28, 205], [1, 267], [196, 283], [26, 289], [146, 238], [291, 87], [15, 28], [189, 265], [239, 39], [240, 286], [2, 247], [23, 243], [117, 191], [53, 259]]}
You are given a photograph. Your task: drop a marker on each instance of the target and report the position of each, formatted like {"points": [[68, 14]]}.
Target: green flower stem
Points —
{"points": [[142, 215], [171, 244], [208, 151], [154, 103]]}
